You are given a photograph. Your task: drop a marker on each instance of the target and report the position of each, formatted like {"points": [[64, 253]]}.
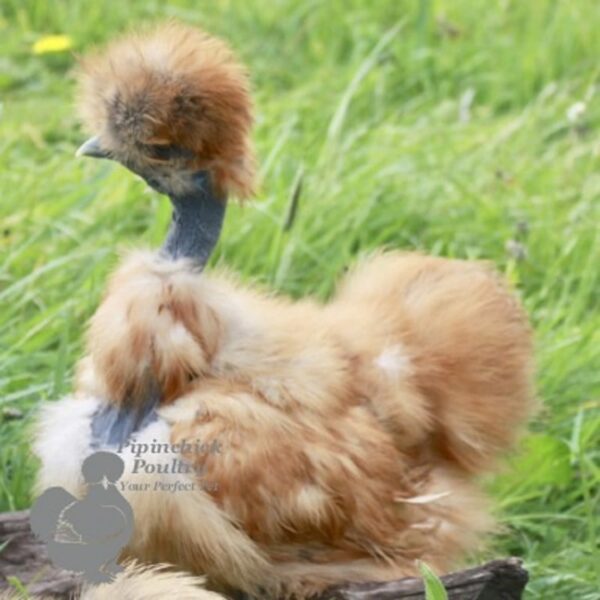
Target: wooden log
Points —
{"points": [[22, 556], [497, 580]]}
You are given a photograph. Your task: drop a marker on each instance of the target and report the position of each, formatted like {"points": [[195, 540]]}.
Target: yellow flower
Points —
{"points": [[52, 43]]}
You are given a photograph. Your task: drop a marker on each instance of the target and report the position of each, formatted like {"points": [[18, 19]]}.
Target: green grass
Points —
{"points": [[439, 126]]}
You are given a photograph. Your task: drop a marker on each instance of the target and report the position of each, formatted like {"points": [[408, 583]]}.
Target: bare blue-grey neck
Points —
{"points": [[197, 221], [194, 232]]}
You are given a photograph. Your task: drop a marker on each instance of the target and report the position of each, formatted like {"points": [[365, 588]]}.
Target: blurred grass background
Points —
{"points": [[465, 128]]}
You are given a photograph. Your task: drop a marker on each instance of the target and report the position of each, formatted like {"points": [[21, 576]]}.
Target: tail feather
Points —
{"points": [[469, 344]]}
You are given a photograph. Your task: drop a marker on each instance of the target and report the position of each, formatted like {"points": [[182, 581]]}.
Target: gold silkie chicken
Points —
{"points": [[276, 446]]}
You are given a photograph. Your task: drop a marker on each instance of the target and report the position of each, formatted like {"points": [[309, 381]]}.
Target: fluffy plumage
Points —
{"points": [[142, 582], [350, 433], [172, 85]]}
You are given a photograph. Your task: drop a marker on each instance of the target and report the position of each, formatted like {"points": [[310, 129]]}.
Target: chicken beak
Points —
{"points": [[92, 148]]}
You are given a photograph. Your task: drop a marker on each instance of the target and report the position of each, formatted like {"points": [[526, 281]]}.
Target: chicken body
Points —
{"points": [[338, 442], [276, 447]]}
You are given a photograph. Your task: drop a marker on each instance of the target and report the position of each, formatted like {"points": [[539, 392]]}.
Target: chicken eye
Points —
{"points": [[163, 152]]}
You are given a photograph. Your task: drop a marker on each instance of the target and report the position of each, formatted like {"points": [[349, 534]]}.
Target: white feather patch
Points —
{"points": [[63, 441], [424, 499], [394, 361]]}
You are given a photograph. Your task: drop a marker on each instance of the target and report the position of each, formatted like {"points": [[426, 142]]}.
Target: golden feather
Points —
{"points": [[172, 84]]}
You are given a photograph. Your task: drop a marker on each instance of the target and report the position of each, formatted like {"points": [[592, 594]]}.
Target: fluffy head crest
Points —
{"points": [[172, 87]]}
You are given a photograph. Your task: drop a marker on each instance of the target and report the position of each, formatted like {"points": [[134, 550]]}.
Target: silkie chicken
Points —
{"points": [[339, 441]]}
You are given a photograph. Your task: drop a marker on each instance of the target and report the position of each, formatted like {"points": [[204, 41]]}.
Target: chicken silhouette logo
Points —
{"points": [[86, 535]]}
